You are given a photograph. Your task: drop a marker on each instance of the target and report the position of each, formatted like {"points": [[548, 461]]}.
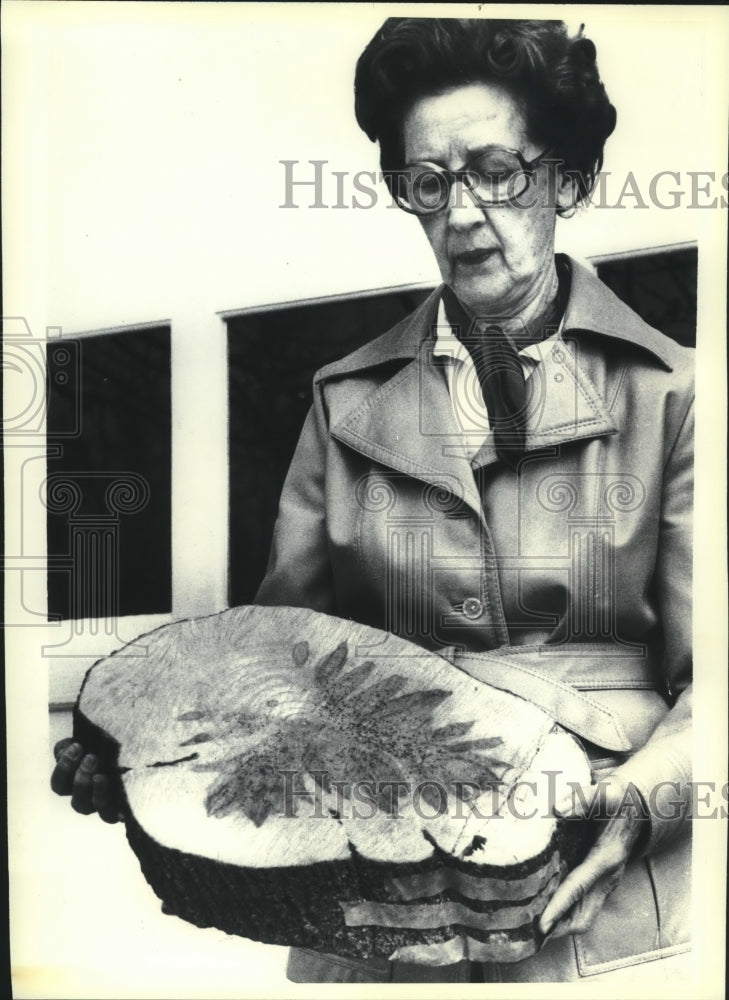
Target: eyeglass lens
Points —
{"points": [[494, 176]]}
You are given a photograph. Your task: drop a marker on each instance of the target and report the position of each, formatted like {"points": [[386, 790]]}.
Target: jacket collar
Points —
{"points": [[407, 423], [591, 307], [594, 308]]}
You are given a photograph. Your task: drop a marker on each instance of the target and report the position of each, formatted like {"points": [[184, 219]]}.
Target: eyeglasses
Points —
{"points": [[496, 176]]}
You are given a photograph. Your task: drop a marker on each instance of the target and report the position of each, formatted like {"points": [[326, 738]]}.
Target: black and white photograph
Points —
{"points": [[364, 441]]}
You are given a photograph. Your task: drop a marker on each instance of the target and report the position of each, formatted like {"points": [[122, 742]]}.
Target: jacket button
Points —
{"points": [[472, 607]]}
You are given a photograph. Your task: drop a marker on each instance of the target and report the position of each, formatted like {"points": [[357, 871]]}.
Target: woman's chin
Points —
{"points": [[481, 293]]}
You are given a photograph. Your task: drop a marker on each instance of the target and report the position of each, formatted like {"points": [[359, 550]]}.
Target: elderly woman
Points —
{"points": [[510, 469]]}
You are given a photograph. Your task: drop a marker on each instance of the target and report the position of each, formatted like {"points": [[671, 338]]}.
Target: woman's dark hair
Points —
{"points": [[554, 76]]}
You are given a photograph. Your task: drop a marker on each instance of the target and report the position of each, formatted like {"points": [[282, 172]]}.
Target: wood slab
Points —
{"points": [[301, 779]]}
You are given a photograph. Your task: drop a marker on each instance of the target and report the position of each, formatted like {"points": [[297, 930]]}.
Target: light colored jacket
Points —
{"points": [[567, 582]]}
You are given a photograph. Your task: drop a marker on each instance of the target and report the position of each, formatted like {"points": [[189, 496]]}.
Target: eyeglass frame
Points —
{"points": [[528, 168]]}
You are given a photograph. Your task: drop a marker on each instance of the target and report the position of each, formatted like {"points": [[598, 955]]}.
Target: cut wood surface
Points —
{"points": [[300, 779]]}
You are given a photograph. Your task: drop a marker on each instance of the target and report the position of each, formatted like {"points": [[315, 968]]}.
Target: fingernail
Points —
{"points": [[74, 750], [89, 762]]}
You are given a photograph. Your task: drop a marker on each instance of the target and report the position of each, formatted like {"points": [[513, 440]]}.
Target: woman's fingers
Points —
{"points": [[68, 756], [577, 884], [82, 788], [578, 899], [76, 774], [580, 915], [62, 745], [103, 800]]}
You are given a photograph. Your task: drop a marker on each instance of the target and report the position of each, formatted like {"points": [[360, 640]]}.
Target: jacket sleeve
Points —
{"points": [[661, 769], [299, 571]]}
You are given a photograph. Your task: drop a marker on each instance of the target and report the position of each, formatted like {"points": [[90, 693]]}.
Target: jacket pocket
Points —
{"points": [[647, 917]]}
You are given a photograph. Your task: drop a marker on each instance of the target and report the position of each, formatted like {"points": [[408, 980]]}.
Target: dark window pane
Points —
{"points": [[660, 287], [108, 491], [272, 358]]}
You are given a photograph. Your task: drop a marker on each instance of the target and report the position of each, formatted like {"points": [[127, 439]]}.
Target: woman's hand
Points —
{"points": [[616, 805], [76, 774]]}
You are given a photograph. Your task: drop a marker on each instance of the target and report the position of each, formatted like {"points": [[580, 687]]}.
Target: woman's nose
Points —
{"points": [[464, 211]]}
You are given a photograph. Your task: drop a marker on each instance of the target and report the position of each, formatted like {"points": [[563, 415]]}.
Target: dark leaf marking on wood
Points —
{"points": [[197, 738], [300, 653], [330, 665], [349, 682], [453, 730], [486, 743], [368, 701], [358, 733]]}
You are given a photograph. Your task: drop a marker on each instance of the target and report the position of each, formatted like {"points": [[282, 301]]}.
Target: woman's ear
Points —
{"points": [[566, 193]]}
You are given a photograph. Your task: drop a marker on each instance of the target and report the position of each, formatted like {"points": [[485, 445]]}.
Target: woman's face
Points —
{"points": [[497, 259]]}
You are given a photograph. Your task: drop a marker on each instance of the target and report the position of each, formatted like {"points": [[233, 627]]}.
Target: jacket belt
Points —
{"points": [[557, 679]]}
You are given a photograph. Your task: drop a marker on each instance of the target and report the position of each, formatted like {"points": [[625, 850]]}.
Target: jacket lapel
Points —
{"points": [[407, 423], [562, 405]]}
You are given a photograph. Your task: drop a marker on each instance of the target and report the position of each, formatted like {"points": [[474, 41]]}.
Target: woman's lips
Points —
{"points": [[472, 258]]}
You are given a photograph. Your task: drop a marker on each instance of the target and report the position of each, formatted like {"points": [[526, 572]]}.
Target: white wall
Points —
{"points": [[149, 183]]}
